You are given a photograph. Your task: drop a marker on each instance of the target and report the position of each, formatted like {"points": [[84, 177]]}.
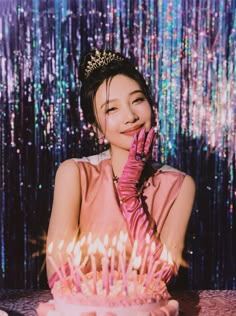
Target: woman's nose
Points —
{"points": [[130, 116]]}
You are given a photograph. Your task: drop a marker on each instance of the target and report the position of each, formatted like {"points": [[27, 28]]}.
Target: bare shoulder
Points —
{"points": [[69, 165], [188, 185], [67, 189], [67, 177], [68, 168], [186, 196]]}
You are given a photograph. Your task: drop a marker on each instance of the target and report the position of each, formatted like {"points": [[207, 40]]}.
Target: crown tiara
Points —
{"points": [[101, 58]]}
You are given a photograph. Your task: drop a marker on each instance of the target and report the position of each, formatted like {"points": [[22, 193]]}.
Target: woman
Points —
{"points": [[122, 189]]}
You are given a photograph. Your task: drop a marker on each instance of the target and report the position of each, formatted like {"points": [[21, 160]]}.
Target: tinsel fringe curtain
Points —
{"points": [[187, 52]]}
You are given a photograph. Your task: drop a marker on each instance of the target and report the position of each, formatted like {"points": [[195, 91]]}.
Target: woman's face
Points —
{"points": [[121, 110]]}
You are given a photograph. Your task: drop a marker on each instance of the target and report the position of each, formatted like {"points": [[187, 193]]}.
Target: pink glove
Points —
{"points": [[138, 220]]}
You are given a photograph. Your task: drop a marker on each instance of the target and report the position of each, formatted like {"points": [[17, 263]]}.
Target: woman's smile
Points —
{"points": [[133, 130]]}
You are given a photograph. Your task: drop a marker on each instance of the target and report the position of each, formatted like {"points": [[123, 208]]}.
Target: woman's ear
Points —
{"points": [[99, 133]]}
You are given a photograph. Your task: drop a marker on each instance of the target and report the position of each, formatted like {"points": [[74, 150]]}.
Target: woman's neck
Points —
{"points": [[118, 160]]}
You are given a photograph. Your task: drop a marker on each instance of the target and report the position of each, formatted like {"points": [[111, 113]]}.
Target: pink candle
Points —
{"points": [[124, 238], [106, 241], [94, 269], [92, 250], [69, 250], [134, 278], [69, 259], [119, 245], [84, 279], [76, 268], [111, 254], [168, 265], [89, 238], [61, 243], [105, 274], [78, 282], [150, 275], [105, 265], [58, 272], [114, 242], [79, 274], [122, 266], [73, 274], [136, 265], [150, 264], [132, 258], [53, 263]]}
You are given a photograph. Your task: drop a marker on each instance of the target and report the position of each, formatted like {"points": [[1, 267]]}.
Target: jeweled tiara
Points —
{"points": [[101, 58]]}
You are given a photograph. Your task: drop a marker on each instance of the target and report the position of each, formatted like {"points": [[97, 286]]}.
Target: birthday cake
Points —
{"points": [[136, 301], [127, 287]]}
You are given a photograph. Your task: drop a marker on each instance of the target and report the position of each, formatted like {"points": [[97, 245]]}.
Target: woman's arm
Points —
{"points": [[64, 219], [173, 232]]}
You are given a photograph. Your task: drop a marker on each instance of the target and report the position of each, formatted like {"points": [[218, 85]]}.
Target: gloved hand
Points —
{"points": [[136, 217], [139, 153], [138, 220]]}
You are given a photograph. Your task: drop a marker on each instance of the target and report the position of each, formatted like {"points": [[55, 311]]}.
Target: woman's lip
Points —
{"points": [[132, 131]]}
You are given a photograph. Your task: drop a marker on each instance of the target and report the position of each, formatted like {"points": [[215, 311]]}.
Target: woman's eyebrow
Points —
{"points": [[135, 91]]}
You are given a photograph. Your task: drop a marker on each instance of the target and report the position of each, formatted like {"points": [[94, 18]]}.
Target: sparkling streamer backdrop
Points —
{"points": [[186, 50]]}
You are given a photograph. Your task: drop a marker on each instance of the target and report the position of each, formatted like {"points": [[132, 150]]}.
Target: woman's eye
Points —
{"points": [[110, 110], [141, 99]]}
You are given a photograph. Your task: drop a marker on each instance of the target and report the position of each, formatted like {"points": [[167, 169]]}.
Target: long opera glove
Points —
{"points": [[138, 220]]}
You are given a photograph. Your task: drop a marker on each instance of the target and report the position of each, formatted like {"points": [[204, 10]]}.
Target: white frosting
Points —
{"points": [[76, 310], [63, 309], [135, 301]]}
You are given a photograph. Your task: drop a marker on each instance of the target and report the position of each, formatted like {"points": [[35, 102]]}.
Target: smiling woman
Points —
{"points": [[121, 189]]}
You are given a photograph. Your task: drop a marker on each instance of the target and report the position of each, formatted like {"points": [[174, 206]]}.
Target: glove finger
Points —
{"points": [[151, 137], [133, 148], [141, 141]]}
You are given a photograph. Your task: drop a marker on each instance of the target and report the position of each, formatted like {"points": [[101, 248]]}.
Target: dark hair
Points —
{"points": [[92, 81]]}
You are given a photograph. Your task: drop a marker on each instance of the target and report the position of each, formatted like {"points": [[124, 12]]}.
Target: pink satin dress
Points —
{"points": [[100, 213]]}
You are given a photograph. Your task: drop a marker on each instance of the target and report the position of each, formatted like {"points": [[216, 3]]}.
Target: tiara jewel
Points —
{"points": [[100, 59]]}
